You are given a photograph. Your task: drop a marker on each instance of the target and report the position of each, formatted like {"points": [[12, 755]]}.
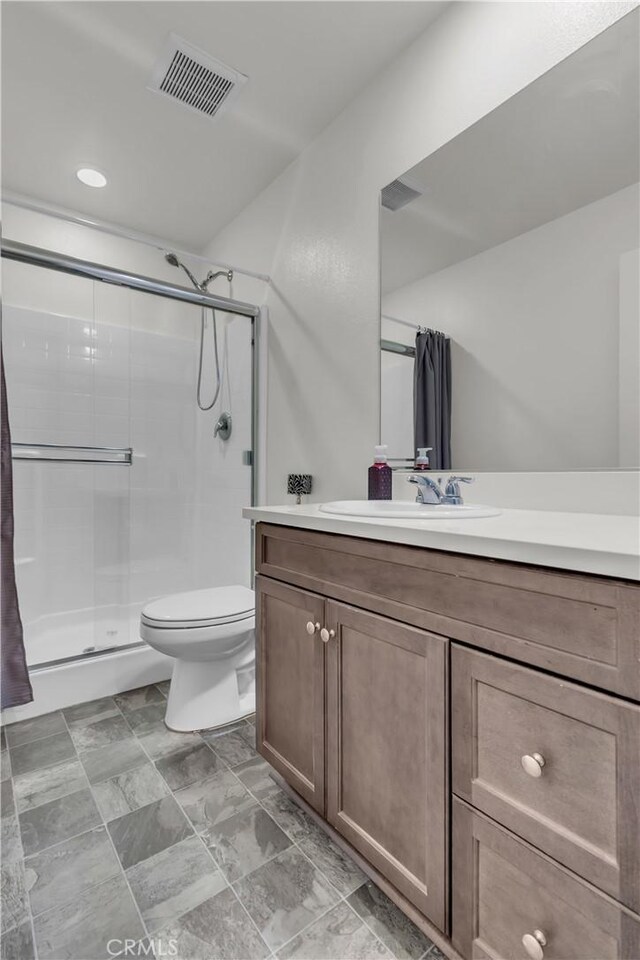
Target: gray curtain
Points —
{"points": [[432, 397], [16, 687]]}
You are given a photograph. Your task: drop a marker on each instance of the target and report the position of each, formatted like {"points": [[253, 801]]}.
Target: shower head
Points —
{"points": [[173, 260]]}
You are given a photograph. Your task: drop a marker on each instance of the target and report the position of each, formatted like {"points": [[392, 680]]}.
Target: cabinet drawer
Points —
{"points": [[582, 626], [578, 800], [503, 890]]}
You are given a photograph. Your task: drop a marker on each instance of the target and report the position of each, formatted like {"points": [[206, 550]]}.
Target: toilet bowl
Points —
{"points": [[211, 636]]}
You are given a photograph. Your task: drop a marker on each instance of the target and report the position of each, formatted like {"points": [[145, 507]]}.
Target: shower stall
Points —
{"points": [[123, 489]]}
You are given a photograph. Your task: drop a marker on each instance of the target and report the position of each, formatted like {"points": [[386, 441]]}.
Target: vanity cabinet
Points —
{"points": [[365, 649], [575, 625], [358, 702]]}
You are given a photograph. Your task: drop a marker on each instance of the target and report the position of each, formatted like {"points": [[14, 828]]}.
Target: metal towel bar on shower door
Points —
{"points": [[67, 453]]}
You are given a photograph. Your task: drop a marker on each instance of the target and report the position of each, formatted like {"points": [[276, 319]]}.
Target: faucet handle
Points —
{"points": [[452, 489]]}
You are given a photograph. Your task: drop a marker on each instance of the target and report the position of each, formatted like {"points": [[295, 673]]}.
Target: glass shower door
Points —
{"points": [[66, 347], [188, 486], [123, 490]]}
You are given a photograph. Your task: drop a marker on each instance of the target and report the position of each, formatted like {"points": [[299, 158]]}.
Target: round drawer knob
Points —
{"points": [[532, 763], [312, 627], [533, 944], [327, 634]]}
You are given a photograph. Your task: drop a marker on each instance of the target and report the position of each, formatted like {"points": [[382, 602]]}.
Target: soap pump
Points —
{"points": [[380, 476], [422, 460]]}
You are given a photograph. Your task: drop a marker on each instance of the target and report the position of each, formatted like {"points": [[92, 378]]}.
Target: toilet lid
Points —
{"points": [[201, 608]]}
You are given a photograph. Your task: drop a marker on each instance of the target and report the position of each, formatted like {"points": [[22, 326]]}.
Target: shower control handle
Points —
{"points": [[223, 426]]}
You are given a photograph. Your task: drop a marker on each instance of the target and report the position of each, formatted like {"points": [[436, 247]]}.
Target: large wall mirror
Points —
{"points": [[510, 278]]}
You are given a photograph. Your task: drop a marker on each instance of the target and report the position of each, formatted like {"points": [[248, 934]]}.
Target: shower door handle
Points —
{"points": [[68, 453]]}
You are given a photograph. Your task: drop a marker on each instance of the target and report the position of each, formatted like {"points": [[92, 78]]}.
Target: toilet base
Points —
{"points": [[205, 694]]}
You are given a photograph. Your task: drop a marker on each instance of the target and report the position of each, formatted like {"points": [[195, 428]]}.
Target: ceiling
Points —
{"points": [[568, 139], [74, 77]]}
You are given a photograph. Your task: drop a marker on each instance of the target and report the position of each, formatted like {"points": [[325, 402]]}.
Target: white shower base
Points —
{"points": [[65, 684], [95, 674], [74, 633]]}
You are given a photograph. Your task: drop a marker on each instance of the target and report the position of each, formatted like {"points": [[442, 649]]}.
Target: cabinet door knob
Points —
{"points": [[327, 634], [312, 627], [532, 763], [533, 944]]}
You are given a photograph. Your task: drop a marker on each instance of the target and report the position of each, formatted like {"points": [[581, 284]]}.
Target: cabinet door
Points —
{"points": [[507, 896], [386, 750], [290, 686]]}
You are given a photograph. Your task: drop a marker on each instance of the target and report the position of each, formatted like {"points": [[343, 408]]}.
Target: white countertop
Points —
{"points": [[584, 542]]}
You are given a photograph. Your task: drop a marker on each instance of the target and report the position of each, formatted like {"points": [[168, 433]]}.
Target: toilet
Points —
{"points": [[211, 636]]}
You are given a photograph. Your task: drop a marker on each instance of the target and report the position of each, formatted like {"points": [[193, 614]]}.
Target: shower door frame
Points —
{"points": [[49, 259]]}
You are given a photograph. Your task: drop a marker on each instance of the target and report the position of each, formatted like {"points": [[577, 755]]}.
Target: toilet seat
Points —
{"points": [[200, 608]]}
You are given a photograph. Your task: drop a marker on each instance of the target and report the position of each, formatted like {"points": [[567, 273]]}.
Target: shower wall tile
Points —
{"points": [[112, 305], [113, 388], [166, 317], [46, 291], [112, 406], [111, 431]]}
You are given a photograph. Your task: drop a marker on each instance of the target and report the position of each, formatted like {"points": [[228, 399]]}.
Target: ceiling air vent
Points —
{"points": [[398, 194], [195, 79]]}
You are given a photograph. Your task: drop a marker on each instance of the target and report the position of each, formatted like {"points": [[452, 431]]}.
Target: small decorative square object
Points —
{"points": [[299, 483]]}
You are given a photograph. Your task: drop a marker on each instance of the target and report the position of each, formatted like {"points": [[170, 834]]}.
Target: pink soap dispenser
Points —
{"points": [[422, 460], [380, 476]]}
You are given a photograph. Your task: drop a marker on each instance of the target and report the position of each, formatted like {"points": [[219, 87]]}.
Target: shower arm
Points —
{"points": [[213, 275]]}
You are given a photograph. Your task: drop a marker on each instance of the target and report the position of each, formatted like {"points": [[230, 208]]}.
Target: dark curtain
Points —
{"points": [[16, 688], [432, 397]]}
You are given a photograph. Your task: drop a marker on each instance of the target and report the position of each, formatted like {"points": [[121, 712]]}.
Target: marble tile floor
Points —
{"points": [[120, 837]]}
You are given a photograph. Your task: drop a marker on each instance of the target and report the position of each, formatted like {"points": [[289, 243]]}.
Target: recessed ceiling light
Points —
{"points": [[91, 177]]}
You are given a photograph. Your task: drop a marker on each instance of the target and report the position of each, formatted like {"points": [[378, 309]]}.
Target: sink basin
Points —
{"points": [[408, 510]]}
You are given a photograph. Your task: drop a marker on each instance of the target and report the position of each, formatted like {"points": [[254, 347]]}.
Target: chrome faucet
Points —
{"points": [[430, 490]]}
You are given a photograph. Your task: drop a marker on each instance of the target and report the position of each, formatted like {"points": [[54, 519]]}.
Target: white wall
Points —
{"points": [[534, 326], [629, 360], [315, 229], [89, 363]]}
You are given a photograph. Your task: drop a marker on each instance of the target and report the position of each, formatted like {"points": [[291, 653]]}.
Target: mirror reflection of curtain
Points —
{"points": [[432, 397]]}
